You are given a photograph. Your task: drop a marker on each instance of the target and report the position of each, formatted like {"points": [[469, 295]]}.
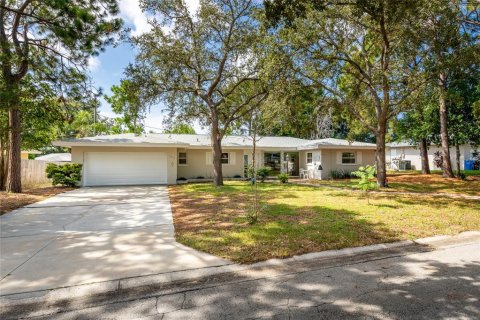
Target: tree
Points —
{"points": [[43, 116], [464, 127], [449, 40], [196, 63], [419, 125], [358, 53], [125, 101], [180, 128], [46, 37]]}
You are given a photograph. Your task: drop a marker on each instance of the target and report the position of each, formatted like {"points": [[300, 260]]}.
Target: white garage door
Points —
{"points": [[124, 168]]}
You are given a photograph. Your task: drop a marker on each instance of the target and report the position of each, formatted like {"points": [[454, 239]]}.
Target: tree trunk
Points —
{"points": [[380, 155], [14, 183], [424, 156], [3, 164], [457, 158], [447, 164], [216, 153]]}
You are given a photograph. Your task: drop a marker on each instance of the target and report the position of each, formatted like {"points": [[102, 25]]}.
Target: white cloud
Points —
{"points": [[93, 64], [192, 6], [131, 12]]}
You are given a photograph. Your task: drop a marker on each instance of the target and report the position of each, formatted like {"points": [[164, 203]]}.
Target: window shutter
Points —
{"points": [[232, 156], [359, 157], [339, 157], [209, 158]]}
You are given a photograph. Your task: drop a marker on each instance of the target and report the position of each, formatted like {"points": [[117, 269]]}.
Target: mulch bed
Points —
{"points": [[12, 201]]}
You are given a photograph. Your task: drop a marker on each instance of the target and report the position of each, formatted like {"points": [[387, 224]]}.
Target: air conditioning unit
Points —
{"points": [[405, 165]]}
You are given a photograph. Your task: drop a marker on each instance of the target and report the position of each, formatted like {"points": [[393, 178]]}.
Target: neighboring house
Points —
{"points": [[164, 158], [55, 157], [409, 155], [25, 153]]}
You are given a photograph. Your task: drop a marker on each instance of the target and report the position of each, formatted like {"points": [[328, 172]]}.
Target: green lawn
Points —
{"points": [[299, 219]]}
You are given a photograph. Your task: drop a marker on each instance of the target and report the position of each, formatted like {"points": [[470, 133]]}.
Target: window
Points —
{"points": [[349, 158], [309, 157], [225, 158], [182, 158]]}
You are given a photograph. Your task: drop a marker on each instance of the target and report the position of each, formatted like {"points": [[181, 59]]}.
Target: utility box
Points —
{"points": [[405, 165]]}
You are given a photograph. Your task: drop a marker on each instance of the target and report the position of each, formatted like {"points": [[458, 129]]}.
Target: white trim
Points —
{"points": [[311, 158], [178, 159], [228, 158], [348, 164]]}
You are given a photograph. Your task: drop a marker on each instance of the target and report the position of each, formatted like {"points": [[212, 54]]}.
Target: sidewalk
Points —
{"points": [[166, 284]]}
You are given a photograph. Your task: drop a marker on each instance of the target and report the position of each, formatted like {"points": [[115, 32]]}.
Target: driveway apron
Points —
{"points": [[92, 235]]}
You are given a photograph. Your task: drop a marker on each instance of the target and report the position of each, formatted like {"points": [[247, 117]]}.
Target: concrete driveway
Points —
{"points": [[91, 235]]}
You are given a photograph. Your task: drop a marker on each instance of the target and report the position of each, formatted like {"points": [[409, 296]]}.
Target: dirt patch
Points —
{"points": [[11, 201], [194, 213], [436, 184]]}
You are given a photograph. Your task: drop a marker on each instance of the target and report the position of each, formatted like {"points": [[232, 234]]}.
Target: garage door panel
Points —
{"points": [[125, 168]]}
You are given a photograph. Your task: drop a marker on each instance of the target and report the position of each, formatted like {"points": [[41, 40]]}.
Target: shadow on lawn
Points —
{"points": [[403, 200], [284, 230], [406, 287]]}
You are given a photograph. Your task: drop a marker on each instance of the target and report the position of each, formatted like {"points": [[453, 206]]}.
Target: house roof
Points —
{"points": [[334, 143], [203, 140], [56, 157], [400, 144]]}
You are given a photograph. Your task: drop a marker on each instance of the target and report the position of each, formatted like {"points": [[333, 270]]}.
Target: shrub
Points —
{"points": [[283, 177], [341, 174], [200, 177], [68, 174], [366, 174], [182, 179], [237, 176], [263, 173]]}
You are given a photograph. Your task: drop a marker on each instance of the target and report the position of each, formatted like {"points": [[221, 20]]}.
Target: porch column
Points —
{"points": [[282, 162]]}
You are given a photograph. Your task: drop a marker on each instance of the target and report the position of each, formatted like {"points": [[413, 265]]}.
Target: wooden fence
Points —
{"points": [[33, 172]]}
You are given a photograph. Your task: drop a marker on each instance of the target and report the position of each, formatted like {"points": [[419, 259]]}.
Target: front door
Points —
{"points": [[290, 163]]}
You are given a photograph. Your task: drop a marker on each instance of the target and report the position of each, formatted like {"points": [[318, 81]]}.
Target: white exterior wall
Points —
{"points": [[331, 160], [199, 164], [413, 154]]}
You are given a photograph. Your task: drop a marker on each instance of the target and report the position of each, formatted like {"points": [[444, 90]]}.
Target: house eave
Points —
{"points": [[69, 144], [319, 147]]}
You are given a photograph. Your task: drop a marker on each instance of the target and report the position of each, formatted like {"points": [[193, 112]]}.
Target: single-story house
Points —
{"points": [[127, 159], [406, 156], [55, 157]]}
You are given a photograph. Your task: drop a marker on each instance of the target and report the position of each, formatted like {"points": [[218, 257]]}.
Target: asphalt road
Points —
{"points": [[419, 283]]}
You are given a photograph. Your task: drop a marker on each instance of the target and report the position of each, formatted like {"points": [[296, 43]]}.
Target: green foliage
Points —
{"points": [[125, 101], [366, 175], [68, 174], [180, 128], [283, 177], [341, 174], [263, 173]]}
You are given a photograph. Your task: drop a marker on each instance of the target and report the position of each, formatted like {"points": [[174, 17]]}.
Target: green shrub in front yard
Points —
{"points": [[366, 174], [283, 177], [263, 173], [68, 174], [341, 174]]}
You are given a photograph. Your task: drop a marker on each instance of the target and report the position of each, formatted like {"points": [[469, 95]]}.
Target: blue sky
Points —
{"points": [[107, 69]]}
